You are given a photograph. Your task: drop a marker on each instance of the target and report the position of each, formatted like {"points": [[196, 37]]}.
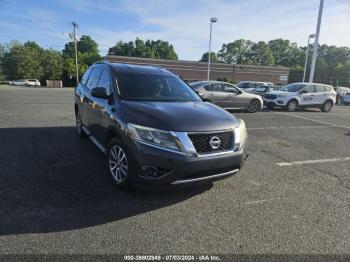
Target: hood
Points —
{"points": [[178, 116], [247, 94], [280, 93]]}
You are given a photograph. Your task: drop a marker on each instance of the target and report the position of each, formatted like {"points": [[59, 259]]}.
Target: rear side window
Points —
{"points": [[309, 89], [85, 77], [216, 87], [93, 79], [320, 88], [104, 80], [328, 88]]}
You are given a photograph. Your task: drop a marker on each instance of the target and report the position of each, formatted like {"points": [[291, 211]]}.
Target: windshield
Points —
{"points": [[243, 85], [155, 88], [293, 87]]}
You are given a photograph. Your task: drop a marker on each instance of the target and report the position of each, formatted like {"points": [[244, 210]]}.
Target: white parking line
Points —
{"points": [[285, 127], [317, 161], [313, 120]]}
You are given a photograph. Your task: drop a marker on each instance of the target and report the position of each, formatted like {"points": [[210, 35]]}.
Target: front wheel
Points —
{"points": [[253, 106], [119, 162], [292, 106], [327, 106], [79, 125]]}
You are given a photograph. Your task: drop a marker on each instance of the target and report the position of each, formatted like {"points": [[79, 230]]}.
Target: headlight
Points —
{"points": [[240, 135], [154, 136]]}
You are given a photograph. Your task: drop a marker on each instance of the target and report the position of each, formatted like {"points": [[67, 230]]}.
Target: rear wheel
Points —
{"points": [[253, 106], [292, 106], [327, 106]]}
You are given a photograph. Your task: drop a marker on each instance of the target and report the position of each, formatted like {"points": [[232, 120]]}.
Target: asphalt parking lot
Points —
{"points": [[56, 196]]}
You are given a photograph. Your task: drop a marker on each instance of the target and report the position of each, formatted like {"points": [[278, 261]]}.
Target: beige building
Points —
{"points": [[191, 70]]}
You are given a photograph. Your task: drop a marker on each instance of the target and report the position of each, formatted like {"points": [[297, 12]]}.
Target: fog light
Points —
{"points": [[149, 171]]}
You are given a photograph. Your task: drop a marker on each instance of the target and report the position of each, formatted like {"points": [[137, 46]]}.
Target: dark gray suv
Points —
{"points": [[155, 130]]}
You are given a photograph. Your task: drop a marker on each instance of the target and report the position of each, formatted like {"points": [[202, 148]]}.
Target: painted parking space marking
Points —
{"points": [[313, 120], [286, 127], [316, 161]]}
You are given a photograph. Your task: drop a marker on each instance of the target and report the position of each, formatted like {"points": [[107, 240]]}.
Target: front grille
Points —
{"points": [[202, 145], [270, 96]]}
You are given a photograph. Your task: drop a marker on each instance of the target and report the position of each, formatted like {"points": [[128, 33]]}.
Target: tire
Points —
{"points": [[327, 106], [292, 105], [79, 125], [120, 163], [254, 106]]}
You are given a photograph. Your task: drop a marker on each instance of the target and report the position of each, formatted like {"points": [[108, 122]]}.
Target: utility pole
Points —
{"points": [[314, 55], [75, 26]]}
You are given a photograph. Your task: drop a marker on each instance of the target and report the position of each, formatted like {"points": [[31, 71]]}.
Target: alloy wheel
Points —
{"points": [[78, 123], [118, 164], [292, 106], [253, 107], [327, 107]]}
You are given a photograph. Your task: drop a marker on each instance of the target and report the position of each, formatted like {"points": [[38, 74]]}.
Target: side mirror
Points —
{"points": [[99, 92]]}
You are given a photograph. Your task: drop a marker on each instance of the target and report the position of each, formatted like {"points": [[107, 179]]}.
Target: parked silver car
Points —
{"points": [[227, 96]]}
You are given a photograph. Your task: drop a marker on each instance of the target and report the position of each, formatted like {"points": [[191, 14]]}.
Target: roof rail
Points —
{"points": [[102, 62]]}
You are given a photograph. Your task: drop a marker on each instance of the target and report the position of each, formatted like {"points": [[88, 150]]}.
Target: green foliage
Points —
{"points": [[246, 52], [149, 49], [213, 58], [23, 61], [342, 73], [87, 55], [236, 52], [262, 54], [286, 53], [52, 63]]}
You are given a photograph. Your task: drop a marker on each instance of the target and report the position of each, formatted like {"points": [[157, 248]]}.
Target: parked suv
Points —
{"points": [[227, 96], [302, 95], [154, 129], [249, 86]]}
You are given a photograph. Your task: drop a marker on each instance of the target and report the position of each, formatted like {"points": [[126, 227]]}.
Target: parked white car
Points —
{"points": [[302, 95], [249, 86], [25, 82]]}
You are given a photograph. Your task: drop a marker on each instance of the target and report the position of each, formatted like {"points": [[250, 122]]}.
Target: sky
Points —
{"points": [[183, 23]]}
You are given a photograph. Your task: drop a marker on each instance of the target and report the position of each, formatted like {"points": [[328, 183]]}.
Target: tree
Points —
{"points": [[236, 52], [286, 53], [261, 54], [342, 73], [149, 49], [213, 57], [52, 63], [87, 55], [123, 49], [23, 61]]}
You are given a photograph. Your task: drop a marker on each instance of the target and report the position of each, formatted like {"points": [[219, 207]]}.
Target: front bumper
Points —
{"points": [[178, 170], [275, 102]]}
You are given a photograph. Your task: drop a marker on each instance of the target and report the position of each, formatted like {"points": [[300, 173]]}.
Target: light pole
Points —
{"points": [[314, 55], [307, 54], [212, 20]]}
